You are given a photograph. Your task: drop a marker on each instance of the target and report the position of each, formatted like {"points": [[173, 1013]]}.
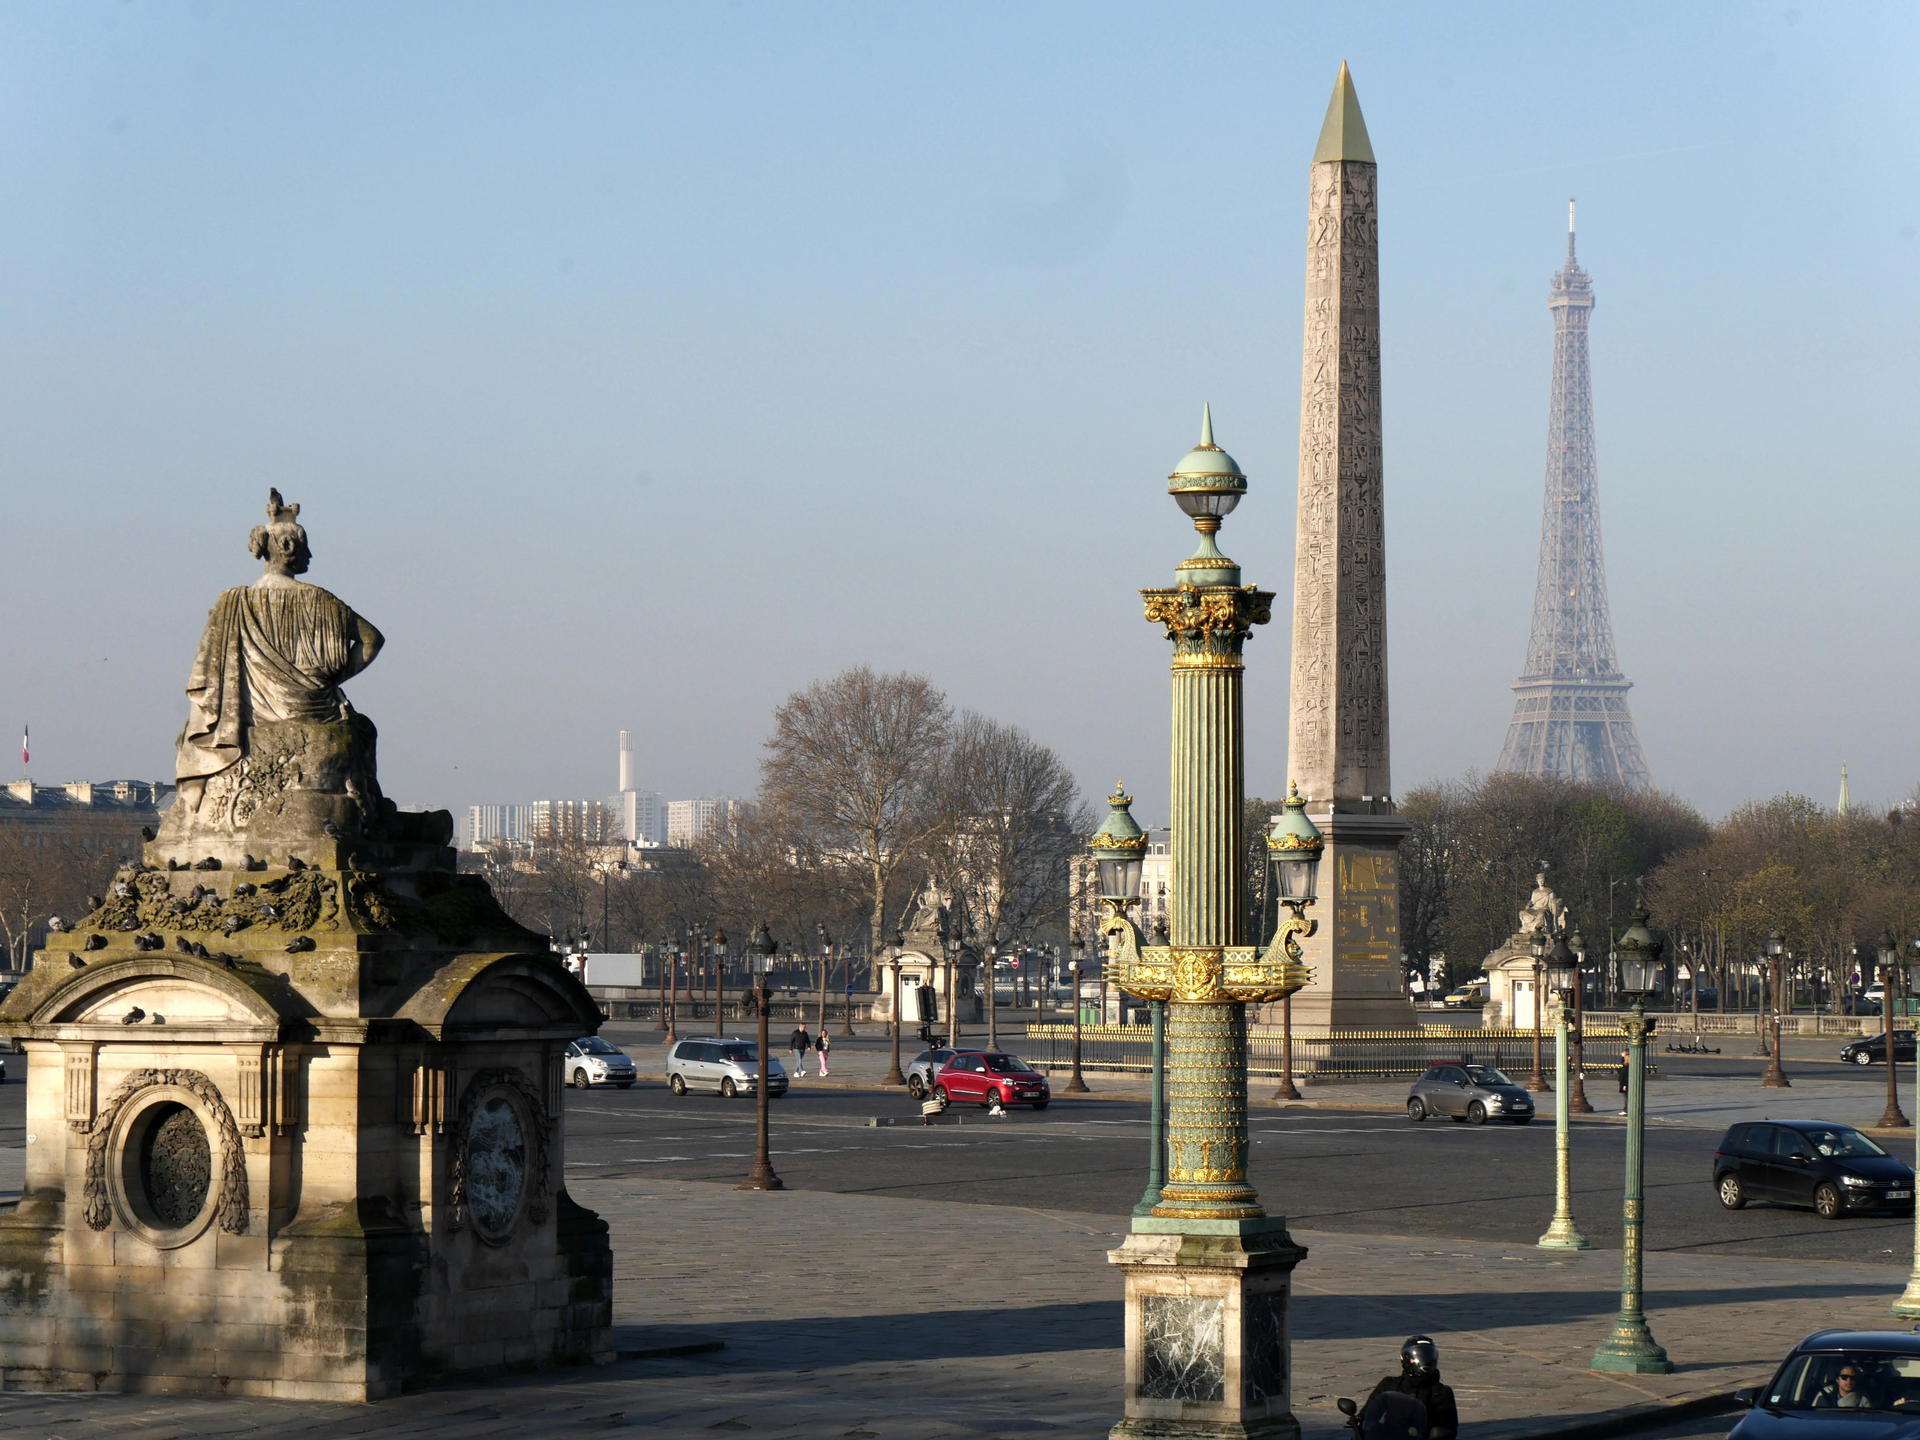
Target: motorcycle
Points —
{"points": [[1389, 1415]]}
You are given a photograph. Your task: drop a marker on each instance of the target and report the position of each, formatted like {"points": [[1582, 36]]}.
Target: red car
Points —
{"points": [[984, 1076]]}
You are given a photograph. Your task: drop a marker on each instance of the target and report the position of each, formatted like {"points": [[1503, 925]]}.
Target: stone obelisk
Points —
{"points": [[1338, 739]]}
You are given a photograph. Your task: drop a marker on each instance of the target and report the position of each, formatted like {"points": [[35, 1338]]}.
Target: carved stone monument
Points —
{"points": [[1338, 741], [1511, 991], [294, 1122]]}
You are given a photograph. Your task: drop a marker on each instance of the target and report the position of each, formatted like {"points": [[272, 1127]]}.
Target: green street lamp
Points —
{"points": [[1207, 1247], [1776, 1077], [1891, 1118], [1908, 1305], [760, 952], [1294, 846], [1563, 972], [1631, 1349], [1076, 1083]]}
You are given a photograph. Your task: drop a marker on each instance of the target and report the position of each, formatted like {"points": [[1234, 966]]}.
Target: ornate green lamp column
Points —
{"points": [[1207, 1270], [1563, 1233], [1631, 1349]]}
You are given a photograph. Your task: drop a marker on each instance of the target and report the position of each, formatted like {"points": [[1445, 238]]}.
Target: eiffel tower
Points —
{"points": [[1570, 717]]}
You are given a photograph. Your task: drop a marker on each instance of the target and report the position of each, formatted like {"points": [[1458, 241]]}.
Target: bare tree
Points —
{"points": [[48, 872], [854, 764], [1017, 821]]}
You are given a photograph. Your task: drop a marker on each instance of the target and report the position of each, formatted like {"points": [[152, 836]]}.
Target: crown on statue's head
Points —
{"points": [[279, 513]]}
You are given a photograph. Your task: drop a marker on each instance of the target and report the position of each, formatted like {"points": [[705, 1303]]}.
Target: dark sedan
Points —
{"points": [[1839, 1385], [1872, 1050], [1834, 1168]]}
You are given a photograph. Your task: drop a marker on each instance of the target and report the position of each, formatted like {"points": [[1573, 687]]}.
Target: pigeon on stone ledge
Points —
{"points": [[96, 942], [76, 962], [133, 1016], [183, 945], [146, 832]]}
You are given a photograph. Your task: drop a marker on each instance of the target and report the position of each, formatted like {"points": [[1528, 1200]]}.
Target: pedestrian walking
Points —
{"points": [[1620, 1073], [822, 1045], [798, 1044]]}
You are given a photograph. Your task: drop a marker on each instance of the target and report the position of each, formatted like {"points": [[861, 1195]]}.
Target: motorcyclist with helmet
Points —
{"points": [[1385, 1415]]}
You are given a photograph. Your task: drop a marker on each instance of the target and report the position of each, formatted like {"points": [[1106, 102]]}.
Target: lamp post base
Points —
{"points": [[1631, 1350], [1774, 1080], [1908, 1305], [1206, 1330], [1892, 1118], [758, 1179], [1075, 1085], [1563, 1234], [1286, 1090]]}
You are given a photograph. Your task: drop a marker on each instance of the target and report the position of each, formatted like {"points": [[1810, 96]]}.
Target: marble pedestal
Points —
{"points": [[295, 1128], [1207, 1339]]}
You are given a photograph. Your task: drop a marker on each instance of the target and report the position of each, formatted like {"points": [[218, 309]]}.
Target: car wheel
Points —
{"points": [[1477, 1113], [578, 1080], [1416, 1108], [1826, 1200], [993, 1099], [676, 1085], [1731, 1195], [916, 1087], [728, 1088], [1861, 1057], [940, 1093]]}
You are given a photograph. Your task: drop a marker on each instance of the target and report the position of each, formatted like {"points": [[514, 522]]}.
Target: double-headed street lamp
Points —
{"points": [[1208, 1248], [761, 951], [1631, 1349], [1563, 971], [1891, 1118], [665, 953], [1776, 1077]]}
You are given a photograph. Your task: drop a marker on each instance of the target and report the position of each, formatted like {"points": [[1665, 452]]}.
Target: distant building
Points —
{"points": [[84, 808], [643, 816], [588, 822], [487, 824], [691, 820], [58, 842]]}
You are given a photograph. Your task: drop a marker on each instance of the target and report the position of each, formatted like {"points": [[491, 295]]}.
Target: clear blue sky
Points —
{"points": [[636, 364]]}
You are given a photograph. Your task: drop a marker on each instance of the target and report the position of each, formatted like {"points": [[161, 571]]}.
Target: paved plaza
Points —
{"points": [[870, 1316]]}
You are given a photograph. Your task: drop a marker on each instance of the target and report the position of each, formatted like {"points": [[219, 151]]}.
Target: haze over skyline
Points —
{"points": [[637, 365]]}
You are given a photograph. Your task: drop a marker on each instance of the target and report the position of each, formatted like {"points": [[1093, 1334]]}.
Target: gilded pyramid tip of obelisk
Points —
{"points": [[1344, 135]]}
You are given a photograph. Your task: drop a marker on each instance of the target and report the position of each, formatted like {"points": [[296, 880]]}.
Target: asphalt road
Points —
{"points": [[1338, 1171]]}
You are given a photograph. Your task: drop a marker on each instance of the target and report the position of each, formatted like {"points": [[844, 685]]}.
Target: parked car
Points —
{"points": [[1466, 997], [1478, 1093], [592, 1061], [1804, 1401], [984, 1076], [1873, 1048], [1834, 1168], [924, 1067], [714, 1062]]}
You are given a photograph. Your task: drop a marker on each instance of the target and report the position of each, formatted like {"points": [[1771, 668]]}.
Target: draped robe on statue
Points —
{"points": [[269, 653]]}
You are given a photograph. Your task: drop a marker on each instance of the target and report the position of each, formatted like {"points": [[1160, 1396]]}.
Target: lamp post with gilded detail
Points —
{"points": [[1208, 1271], [1563, 969], [1631, 1349]]}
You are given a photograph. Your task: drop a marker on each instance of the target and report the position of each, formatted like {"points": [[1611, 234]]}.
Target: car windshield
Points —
{"points": [[741, 1054], [1858, 1380], [594, 1045], [1487, 1075], [1837, 1142], [1008, 1065]]}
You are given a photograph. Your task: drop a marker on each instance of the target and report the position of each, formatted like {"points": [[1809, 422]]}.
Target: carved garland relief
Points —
{"points": [[231, 1202]]}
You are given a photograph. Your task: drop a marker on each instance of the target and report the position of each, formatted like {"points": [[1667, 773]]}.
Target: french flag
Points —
{"points": [[25, 756]]}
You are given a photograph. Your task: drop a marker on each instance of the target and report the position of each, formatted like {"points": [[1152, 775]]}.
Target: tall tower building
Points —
{"points": [[1570, 717], [1338, 741]]}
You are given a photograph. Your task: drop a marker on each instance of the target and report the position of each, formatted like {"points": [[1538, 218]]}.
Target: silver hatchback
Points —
{"points": [[731, 1067], [1475, 1093]]}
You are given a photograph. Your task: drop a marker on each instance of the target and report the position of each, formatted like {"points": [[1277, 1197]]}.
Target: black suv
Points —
{"points": [[1833, 1168]]}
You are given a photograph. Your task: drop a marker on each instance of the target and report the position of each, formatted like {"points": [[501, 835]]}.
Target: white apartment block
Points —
{"points": [[690, 820]]}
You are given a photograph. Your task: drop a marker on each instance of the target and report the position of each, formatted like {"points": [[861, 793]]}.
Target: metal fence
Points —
{"points": [[623, 1003], [1351, 1054]]}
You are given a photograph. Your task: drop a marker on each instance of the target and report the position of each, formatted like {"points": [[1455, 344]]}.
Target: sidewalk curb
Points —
{"points": [[1636, 1418]]}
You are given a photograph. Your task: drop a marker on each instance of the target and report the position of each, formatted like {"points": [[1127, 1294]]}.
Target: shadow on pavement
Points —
{"points": [[1356, 1317]]}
